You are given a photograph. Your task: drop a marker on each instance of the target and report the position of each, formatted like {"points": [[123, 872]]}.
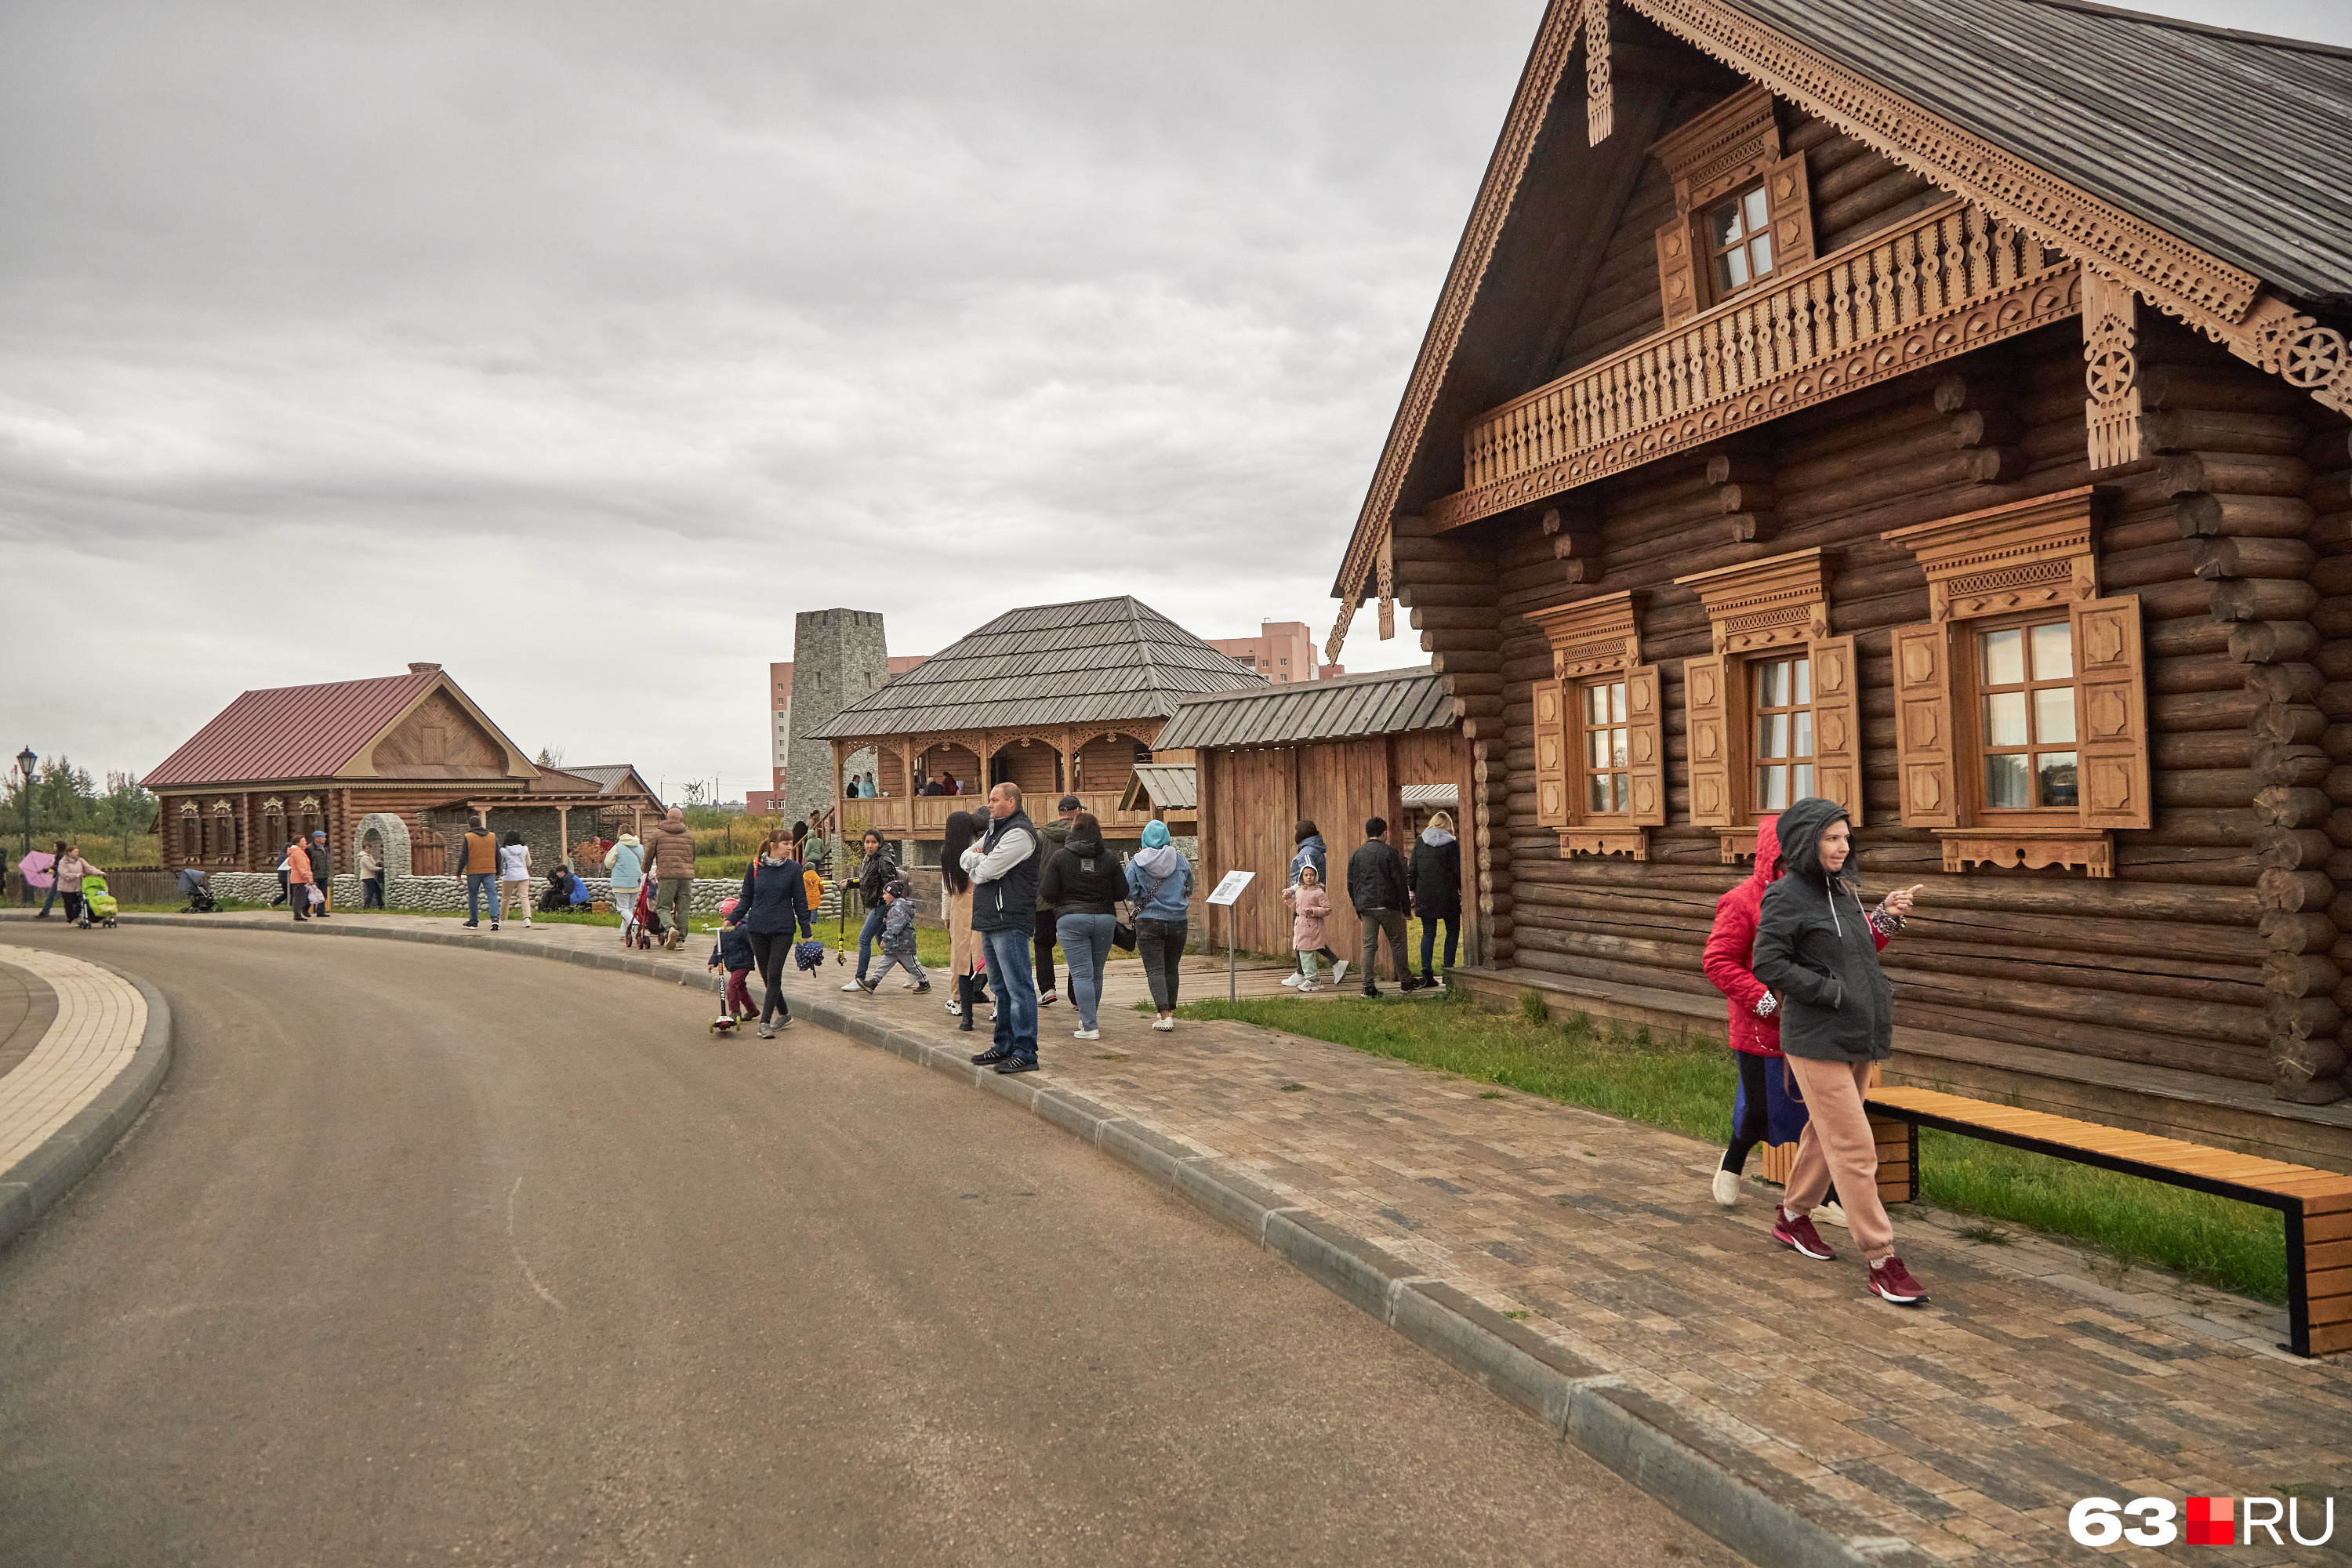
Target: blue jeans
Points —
{"points": [[1086, 944], [868, 935], [1429, 940], [477, 884], [1009, 977]]}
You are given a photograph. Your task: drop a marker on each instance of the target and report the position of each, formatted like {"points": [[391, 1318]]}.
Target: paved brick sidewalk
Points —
{"points": [[99, 1022], [1963, 1429]]}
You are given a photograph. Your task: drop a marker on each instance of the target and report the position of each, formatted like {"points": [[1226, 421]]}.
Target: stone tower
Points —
{"points": [[838, 656]]}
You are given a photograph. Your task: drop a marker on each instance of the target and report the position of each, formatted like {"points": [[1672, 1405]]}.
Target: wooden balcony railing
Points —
{"points": [[1947, 281], [926, 816]]}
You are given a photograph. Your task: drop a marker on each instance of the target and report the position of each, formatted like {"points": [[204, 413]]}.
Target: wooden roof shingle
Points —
{"points": [[1092, 661], [1381, 702]]}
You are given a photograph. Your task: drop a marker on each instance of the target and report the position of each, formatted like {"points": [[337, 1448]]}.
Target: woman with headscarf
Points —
{"points": [[955, 894], [1160, 880], [1435, 877], [1816, 948]]}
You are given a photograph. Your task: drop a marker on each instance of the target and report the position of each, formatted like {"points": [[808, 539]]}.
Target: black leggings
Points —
{"points": [[1750, 1130], [769, 951]]}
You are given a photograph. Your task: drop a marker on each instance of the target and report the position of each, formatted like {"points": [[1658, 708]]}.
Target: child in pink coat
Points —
{"points": [[1309, 904]]}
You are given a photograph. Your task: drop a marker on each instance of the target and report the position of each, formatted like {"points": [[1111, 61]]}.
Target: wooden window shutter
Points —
{"points": [[1837, 724], [1792, 197], [1645, 745], [2113, 751], [1551, 754], [1707, 711], [1923, 726], [1678, 269]]}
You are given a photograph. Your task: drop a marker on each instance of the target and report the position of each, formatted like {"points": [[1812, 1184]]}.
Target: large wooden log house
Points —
{"points": [[1940, 408]]}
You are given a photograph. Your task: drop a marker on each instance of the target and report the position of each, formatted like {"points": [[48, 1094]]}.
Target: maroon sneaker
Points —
{"points": [[1796, 1231], [1890, 1280]]}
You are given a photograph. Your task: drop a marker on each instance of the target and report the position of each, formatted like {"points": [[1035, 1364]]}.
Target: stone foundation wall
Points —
{"points": [[437, 893]]}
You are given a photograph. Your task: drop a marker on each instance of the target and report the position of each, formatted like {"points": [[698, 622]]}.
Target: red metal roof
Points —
{"points": [[290, 731]]}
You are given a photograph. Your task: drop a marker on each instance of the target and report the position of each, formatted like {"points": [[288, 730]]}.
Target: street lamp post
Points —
{"points": [[25, 762]]}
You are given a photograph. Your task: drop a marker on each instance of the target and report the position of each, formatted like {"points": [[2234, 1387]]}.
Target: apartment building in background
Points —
{"points": [[1282, 651], [762, 802]]}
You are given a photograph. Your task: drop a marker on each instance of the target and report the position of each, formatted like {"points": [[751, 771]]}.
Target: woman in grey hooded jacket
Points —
{"points": [[1816, 948]]}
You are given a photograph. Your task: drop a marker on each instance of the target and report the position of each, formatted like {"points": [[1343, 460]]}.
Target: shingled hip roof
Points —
{"points": [[290, 731], [1093, 661], [1383, 702]]}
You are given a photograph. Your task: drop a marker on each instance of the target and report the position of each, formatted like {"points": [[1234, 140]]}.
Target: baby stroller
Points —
{"points": [[193, 888], [98, 905], [644, 926]]}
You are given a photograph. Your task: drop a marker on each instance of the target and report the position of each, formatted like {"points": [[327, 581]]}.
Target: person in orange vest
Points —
{"points": [[479, 854], [298, 880]]}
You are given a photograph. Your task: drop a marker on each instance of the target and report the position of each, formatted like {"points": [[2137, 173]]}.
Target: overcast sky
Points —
{"points": [[576, 346]]}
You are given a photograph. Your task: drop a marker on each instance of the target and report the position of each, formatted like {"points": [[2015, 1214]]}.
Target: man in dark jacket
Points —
{"points": [[1055, 834], [1004, 867], [1376, 886], [1816, 948]]}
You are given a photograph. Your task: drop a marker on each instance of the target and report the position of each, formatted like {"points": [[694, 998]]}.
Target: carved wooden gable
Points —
{"points": [[440, 739]]}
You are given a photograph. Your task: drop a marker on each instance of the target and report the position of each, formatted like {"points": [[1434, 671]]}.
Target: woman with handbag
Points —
{"points": [[1083, 885]]}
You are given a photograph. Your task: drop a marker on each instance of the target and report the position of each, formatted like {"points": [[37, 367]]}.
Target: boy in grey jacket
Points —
{"points": [[898, 937]]}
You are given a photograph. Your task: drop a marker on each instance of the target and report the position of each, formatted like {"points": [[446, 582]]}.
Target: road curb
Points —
{"points": [[36, 1182], [1731, 1493]]}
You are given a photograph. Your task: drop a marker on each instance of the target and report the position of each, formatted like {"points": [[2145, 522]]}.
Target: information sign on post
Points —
{"points": [[1228, 893]]}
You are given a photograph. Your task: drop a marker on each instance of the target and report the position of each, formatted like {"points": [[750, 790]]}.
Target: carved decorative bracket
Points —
{"points": [[187, 808], [1734, 845], [1591, 637], [1780, 600], [2111, 373], [1387, 567], [2016, 557], [1633, 843], [2093, 853], [1600, 117]]}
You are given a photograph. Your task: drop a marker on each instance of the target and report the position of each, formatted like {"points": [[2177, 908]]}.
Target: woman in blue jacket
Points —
{"points": [[773, 910], [1160, 879]]}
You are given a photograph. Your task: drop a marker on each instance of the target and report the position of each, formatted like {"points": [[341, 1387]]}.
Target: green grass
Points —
{"points": [[1685, 1086]]}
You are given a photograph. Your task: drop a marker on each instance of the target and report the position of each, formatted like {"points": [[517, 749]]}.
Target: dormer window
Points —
{"points": [[1739, 233]]}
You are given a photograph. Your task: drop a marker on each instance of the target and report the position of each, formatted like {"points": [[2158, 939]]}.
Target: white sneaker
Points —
{"points": [[1726, 1187], [1293, 978], [955, 1008], [1163, 1023], [526, 925], [1338, 971], [1309, 986], [1085, 1033], [853, 986], [1047, 998], [908, 983], [1830, 1213]]}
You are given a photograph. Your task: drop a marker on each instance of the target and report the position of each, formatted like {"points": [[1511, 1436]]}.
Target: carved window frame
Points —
{"points": [[1759, 610], [1590, 639], [2004, 567], [1729, 149]]}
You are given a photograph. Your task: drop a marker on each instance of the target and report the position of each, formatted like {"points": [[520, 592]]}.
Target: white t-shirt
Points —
{"points": [[514, 863]]}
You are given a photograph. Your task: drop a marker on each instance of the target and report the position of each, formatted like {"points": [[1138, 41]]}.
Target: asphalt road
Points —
{"points": [[434, 1255]]}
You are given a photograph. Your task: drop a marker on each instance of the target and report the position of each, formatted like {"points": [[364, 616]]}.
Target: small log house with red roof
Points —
{"points": [[405, 761]]}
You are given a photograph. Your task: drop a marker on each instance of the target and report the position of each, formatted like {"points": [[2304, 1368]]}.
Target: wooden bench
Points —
{"points": [[2317, 1204]]}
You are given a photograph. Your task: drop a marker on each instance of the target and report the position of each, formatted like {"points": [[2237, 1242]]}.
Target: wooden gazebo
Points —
{"points": [[1052, 698]]}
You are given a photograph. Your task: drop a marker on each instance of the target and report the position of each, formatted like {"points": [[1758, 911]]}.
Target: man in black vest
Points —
{"points": [[1003, 866]]}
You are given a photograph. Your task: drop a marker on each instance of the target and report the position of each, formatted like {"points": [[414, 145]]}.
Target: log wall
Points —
{"points": [[2221, 946]]}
